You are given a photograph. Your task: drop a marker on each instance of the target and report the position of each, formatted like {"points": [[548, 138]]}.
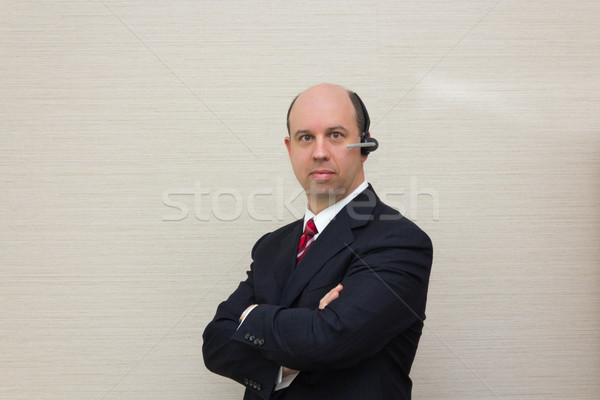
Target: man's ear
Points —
{"points": [[288, 143]]}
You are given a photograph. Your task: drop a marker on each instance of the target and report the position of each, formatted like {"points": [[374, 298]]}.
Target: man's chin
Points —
{"points": [[324, 189]]}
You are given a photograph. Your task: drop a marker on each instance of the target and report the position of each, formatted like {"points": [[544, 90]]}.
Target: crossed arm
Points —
{"points": [[328, 298], [235, 360]]}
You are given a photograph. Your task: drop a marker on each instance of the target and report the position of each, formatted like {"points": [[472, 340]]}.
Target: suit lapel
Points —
{"points": [[286, 260], [273, 273], [336, 237]]}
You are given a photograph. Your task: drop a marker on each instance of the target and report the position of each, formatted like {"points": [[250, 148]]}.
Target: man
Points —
{"points": [[333, 305]]}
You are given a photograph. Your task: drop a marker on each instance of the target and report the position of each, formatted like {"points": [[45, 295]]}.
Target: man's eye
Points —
{"points": [[336, 135], [304, 138]]}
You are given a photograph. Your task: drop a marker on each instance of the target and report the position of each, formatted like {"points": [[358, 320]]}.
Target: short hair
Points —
{"points": [[358, 110]]}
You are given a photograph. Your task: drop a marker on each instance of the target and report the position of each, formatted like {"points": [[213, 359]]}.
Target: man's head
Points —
{"points": [[358, 110], [321, 121]]}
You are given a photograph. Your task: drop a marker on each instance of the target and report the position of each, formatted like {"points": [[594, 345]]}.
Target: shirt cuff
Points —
{"points": [[245, 314], [282, 383]]}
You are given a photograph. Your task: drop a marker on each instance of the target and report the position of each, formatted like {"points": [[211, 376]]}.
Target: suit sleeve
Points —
{"points": [[230, 358], [385, 290]]}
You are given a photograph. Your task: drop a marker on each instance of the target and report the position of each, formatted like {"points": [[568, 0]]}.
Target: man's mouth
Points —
{"points": [[321, 174]]}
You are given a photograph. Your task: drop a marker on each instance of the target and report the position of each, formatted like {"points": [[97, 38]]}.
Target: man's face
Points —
{"points": [[322, 123]]}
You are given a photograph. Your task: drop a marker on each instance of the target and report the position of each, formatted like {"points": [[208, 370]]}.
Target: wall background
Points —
{"points": [[487, 116]]}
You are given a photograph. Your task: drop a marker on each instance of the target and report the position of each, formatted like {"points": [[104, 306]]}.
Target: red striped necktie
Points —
{"points": [[308, 237]]}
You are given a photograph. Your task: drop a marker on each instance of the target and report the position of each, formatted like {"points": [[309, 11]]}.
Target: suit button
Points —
{"points": [[251, 338], [258, 387], [256, 341], [246, 381], [261, 341], [247, 336]]}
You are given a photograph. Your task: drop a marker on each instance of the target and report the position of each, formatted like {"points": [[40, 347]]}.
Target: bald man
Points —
{"points": [[334, 303]]}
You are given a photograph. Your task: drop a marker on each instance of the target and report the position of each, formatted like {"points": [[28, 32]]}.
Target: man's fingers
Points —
{"points": [[330, 296]]}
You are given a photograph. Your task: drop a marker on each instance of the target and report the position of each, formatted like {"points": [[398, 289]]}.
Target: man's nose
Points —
{"points": [[321, 149]]}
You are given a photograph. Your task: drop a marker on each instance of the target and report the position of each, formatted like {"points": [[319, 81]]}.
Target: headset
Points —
{"points": [[367, 144]]}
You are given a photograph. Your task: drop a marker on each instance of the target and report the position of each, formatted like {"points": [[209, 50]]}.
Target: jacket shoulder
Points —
{"points": [[388, 219], [277, 235]]}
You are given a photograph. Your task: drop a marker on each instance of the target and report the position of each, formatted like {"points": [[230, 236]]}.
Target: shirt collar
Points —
{"points": [[323, 218]]}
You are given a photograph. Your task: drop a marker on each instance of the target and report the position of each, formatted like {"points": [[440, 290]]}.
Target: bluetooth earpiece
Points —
{"points": [[367, 144]]}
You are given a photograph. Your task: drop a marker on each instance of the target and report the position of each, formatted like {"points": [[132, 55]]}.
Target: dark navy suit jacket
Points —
{"points": [[362, 345]]}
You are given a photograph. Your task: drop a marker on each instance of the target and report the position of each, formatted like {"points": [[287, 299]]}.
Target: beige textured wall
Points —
{"points": [[487, 115]]}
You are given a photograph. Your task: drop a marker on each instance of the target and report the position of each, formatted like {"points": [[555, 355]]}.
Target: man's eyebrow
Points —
{"points": [[337, 128], [302, 132], [308, 131]]}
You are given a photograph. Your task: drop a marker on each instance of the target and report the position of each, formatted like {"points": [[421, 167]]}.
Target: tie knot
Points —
{"points": [[310, 229], [308, 237]]}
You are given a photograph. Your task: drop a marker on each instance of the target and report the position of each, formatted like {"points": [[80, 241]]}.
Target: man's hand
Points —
{"points": [[330, 296]]}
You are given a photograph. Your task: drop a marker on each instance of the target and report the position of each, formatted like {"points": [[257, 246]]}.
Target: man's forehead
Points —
{"points": [[321, 119]]}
